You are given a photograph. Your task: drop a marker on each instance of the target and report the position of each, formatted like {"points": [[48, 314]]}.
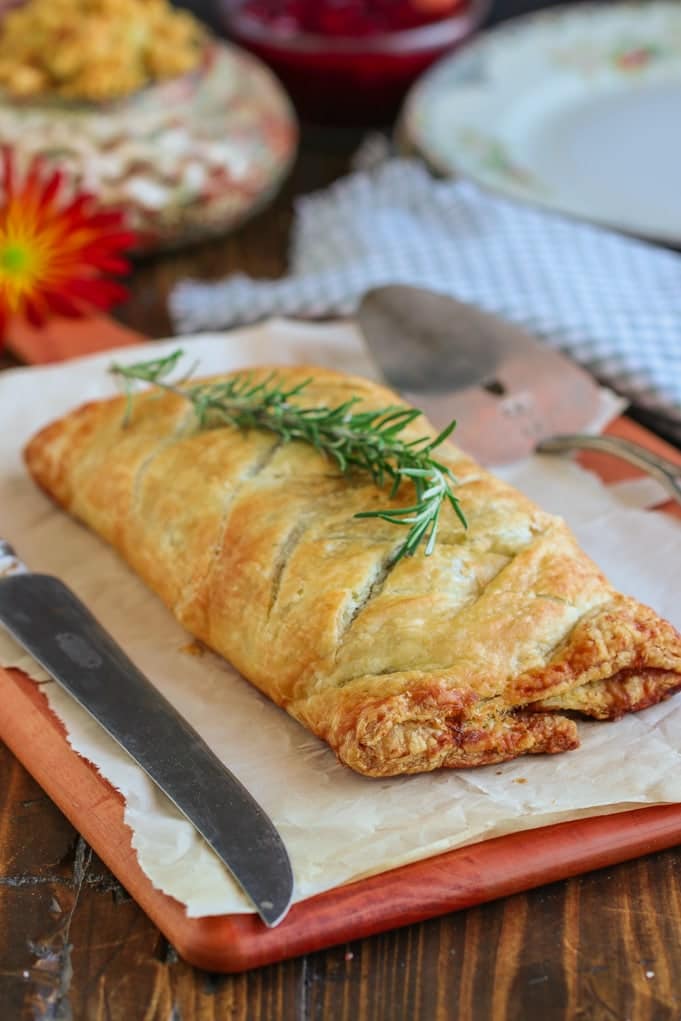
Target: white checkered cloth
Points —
{"points": [[611, 302]]}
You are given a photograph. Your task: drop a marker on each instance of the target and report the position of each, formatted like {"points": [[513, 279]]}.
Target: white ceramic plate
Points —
{"points": [[578, 109]]}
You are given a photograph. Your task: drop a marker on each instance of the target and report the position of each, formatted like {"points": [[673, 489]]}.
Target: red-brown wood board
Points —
{"points": [[447, 882]]}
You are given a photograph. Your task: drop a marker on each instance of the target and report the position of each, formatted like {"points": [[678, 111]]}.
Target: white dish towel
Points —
{"points": [[611, 302]]}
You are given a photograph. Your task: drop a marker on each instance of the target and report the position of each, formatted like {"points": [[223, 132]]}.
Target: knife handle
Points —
{"points": [[9, 561]]}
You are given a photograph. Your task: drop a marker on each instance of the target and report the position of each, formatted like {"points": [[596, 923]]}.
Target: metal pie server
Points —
{"points": [[52, 624], [506, 389]]}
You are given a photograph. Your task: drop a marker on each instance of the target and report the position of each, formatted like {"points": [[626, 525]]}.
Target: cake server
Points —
{"points": [[55, 627], [505, 388]]}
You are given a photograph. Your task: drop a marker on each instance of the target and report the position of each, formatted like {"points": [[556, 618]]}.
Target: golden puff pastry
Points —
{"points": [[472, 655]]}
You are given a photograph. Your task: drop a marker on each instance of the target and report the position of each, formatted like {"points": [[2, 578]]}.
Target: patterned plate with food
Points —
{"points": [[576, 109], [188, 158]]}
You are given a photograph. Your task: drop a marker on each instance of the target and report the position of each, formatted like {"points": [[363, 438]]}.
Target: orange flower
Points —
{"points": [[54, 251]]}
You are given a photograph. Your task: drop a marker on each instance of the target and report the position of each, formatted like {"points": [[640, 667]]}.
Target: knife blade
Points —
{"points": [[506, 390], [58, 630]]}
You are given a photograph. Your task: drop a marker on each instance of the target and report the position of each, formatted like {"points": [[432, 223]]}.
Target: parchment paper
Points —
{"points": [[337, 826]]}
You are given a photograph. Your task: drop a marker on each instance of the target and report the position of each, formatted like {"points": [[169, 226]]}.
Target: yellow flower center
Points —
{"points": [[14, 259], [21, 265]]}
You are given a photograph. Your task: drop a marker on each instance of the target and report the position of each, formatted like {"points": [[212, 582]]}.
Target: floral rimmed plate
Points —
{"points": [[578, 109], [188, 159]]}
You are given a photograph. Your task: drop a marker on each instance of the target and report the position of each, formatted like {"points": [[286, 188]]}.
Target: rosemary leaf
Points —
{"points": [[370, 441]]}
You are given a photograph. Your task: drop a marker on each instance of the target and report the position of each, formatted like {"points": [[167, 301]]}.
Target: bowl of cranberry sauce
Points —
{"points": [[350, 61]]}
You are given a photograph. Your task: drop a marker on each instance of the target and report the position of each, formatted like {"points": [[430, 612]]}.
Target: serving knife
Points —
{"points": [[506, 390], [58, 630]]}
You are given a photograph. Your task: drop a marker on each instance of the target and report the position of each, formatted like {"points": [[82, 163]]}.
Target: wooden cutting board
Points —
{"points": [[447, 882]]}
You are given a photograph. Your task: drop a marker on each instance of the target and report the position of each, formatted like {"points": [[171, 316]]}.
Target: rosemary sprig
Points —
{"points": [[367, 440]]}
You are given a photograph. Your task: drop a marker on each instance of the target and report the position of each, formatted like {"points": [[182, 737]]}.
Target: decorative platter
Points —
{"points": [[188, 159], [576, 109]]}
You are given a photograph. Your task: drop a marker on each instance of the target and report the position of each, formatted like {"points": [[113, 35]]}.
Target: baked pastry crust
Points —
{"points": [[470, 656]]}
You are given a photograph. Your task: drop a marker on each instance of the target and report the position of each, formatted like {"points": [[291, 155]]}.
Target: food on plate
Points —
{"points": [[482, 651], [95, 50]]}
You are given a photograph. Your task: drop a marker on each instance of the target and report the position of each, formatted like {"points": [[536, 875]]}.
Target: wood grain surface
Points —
{"points": [[424, 889], [75, 947]]}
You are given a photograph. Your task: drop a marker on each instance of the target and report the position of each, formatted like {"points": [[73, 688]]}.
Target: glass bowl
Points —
{"points": [[188, 159], [346, 72]]}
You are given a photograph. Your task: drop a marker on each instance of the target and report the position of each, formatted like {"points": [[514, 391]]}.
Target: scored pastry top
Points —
{"points": [[460, 658]]}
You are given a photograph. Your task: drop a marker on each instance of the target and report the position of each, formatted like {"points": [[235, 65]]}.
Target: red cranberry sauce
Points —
{"points": [[347, 17]]}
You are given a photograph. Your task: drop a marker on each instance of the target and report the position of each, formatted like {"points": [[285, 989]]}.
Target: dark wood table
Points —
{"points": [[75, 947]]}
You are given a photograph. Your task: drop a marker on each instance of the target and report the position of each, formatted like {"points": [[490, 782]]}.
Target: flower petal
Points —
{"points": [[65, 245]]}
